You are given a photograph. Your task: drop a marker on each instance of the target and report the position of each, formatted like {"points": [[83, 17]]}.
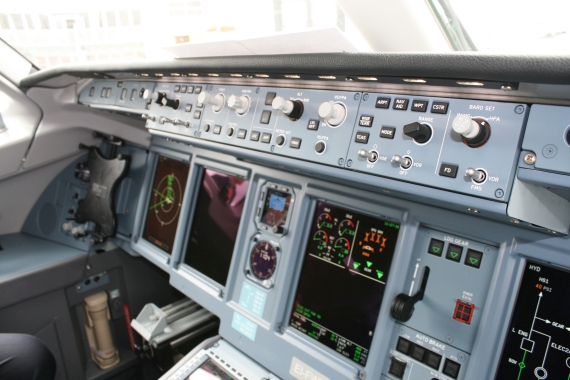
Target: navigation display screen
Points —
{"points": [[538, 339], [209, 370], [163, 210], [276, 208], [216, 221], [345, 269]]}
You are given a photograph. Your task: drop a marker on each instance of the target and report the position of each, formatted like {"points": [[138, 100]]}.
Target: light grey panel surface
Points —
{"points": [[547, 136]]}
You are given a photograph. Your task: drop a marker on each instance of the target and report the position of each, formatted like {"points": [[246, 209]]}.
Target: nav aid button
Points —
{"points": [[400, 104]]}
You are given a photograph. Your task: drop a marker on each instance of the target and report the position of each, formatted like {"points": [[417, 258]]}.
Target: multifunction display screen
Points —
{"points": [[345, 269], [209, 370], [216, 221], [165, 202], [276, 208], [538, 339]]}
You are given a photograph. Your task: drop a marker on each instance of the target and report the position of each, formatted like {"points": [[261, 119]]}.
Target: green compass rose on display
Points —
{"points": [[167, 199]]}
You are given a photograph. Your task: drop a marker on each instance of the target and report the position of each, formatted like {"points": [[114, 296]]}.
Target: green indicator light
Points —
{"points": [[435, 249], [369, 264], [522, 365], [339, 262], [356, 265], [454, 254], [380, 274], [473, 261]]}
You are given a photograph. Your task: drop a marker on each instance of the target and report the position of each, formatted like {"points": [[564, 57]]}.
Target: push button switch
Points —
{"points": [[313, 125], [433, 360], [397, 367], [454, 253], [473, 258], [365, 121], [418, 353], [419, 105], [382, 103], [404, 346], [361, 137], [387, 132], [451, 368], [439, 107], [435, 247], [447, 170], [463, 311], [401, 104]]}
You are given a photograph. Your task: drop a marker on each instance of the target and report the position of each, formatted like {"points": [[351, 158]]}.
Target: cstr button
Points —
{"points": [[439, 107]]}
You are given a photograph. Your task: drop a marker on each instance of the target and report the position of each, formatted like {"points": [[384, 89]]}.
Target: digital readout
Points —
{"points": [[276, 208]]}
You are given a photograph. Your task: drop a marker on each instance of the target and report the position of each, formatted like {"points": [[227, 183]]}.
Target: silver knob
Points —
{"points": [[405, 162], [239, 103], [217, 101], [332, 113], [466, 126], [476, 175], [280, 104]]}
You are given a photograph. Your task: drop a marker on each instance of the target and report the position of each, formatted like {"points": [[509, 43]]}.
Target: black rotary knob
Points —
{"points": [[421, 133]]}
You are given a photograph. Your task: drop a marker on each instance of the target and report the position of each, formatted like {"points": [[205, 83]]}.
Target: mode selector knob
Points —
{"points": [[217, 102], [162, 99], [291, 108], [474, 132], [239, 103], [332, 113], [421, 133]]}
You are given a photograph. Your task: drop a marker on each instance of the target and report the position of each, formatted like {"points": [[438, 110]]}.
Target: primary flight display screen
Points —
{"points": [[538, 338], [165, 202], [341, 287], [216, 221], [276, 208]]}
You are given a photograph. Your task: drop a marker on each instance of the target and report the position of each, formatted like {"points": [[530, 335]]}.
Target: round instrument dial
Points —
{"points": [[263, 260], [346, 228], [167, 199], [324, 221]]}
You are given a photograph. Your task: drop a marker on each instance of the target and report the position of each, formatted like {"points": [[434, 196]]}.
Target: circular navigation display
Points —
{"points": [[167, 200], [263, 260]]}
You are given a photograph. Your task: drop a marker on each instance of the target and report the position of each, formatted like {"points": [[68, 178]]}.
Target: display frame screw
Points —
{"points": [[519, 109], [357, 96], [530, 158], [499, 193]]}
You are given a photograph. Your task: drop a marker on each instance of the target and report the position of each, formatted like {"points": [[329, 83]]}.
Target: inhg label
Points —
{"points": [[302, 371]]}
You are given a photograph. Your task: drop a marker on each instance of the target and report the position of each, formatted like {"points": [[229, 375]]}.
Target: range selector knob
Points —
{"points": [[239, 103], [291, 108], [162, 99], [474, 132], [332, 113], [421, 133], [217, 101]]}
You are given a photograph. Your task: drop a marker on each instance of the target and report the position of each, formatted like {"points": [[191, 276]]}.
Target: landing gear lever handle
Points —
{"points": [[403, 305]]}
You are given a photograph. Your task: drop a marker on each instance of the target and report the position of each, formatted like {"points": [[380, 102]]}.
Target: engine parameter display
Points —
{"points": [[538, 339], [165, 202], [341, 287], [216, 221], [276, 208]]}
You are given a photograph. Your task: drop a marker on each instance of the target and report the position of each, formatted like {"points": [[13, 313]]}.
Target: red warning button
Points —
{"points": [[463, 311]]}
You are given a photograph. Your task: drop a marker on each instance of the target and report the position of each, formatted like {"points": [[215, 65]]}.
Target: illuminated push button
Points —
{"points": [[447, 170], [454, 253], [217, 129], [254, 136], [463, 311], [397, 367], [419, 105], [198, 90], [382, 103], [361, 137], [313, 125], [265, 117], [418, 353], [435, 247], [188, 108], [473, 258], [433, 360], [439, 107], [190, 89], [451, 368], [266, 138], [183, 89], [365, 121], [242, 133], [269, 98], [295, 143], [387, 132], [401, 104], [197, 114], [404, 346]]}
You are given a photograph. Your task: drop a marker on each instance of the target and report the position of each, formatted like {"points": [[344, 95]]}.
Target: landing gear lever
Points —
{"points": [[403, 305]]}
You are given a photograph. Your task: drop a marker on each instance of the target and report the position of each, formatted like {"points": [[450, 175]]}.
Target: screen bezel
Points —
{"points": [[387, 214], [197, 170], [142, 246]]}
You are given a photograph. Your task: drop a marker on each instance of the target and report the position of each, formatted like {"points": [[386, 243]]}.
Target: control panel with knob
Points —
{"points": [[475, 132], [239, 103], [217, 101], [332, 113], [290, 108], [433, 141]]}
